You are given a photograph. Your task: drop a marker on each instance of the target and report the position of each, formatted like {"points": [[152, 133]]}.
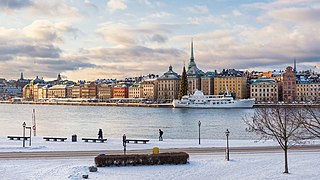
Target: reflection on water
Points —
{"points": [[177, 123]]}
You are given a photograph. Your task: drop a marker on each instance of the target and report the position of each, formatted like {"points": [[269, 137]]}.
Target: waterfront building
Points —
{"points": [[150, 89], [308, 91], [92, 90], [207, 81], [193, 74], [264, 90], [37, 91], [28, 90], [77, 91], [57, 91], [69, 91], [168, 85], [308, 86], [43, 92], [234, 81], [135, 91], [120, 91], [89, 90], [104, 91], [289, 85]]}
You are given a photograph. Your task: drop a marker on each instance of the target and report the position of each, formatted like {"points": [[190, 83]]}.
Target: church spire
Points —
{"points": [[21, 76], [294, 64], [192, 58]]}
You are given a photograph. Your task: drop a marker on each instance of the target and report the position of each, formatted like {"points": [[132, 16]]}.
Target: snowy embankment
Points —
{"points": [[38, 144], [302, 165]]}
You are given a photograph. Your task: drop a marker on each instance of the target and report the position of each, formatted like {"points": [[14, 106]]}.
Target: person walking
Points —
{"points": [[100, 135], [160, 135]]}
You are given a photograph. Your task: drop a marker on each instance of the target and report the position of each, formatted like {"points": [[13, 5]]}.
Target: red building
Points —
{"points": [[289, 91], [120, 92]]}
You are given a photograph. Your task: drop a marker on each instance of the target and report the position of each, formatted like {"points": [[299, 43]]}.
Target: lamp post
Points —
{"points": [[30, 135], [24, 134], [124, 143], [227, 150], [199, 124]]}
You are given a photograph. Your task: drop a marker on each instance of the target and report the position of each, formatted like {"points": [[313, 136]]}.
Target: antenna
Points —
{"points": [[34, 122]]}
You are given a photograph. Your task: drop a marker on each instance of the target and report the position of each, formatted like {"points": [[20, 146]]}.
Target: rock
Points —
{"points": [[93, 169], [85, 176]]}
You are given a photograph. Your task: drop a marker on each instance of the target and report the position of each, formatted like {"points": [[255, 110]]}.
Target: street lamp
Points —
{"points": [[227, 150], [24, 134], [124, 143], [199, 124]]}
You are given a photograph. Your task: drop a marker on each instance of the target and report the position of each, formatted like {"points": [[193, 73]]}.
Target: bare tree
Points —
{"points": [[312, 120], [278, 123]]}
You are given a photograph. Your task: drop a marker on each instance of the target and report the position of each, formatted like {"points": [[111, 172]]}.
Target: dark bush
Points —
{"points": [[103, 160]]}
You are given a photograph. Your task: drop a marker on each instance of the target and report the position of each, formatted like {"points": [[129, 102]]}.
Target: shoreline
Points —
{"points": [[142, 105]]}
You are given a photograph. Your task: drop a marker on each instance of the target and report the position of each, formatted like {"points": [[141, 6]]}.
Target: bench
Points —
{"points": [[144, 141], [93, 140], [54, 138], [17, 137]]}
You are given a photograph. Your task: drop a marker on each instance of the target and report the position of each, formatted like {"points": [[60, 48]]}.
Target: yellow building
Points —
{"points": [[57, 91], [168, 86], [308, 92], [264, 89], [104, 91], [150, 89], [237, 86], [135, 91]]}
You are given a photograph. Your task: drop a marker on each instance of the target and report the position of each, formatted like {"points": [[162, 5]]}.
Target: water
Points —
{"points": [[135, 122]]}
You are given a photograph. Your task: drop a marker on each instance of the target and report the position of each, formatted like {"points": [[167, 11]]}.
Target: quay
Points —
{"points": [[168, 105], [91, 104]]}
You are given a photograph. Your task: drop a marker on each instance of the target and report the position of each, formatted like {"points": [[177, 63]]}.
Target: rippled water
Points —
{"points": [[56, 120]]}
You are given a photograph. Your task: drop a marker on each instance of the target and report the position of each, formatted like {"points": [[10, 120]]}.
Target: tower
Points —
{"points": [[191, 63], [294, 65], [21, 76]]}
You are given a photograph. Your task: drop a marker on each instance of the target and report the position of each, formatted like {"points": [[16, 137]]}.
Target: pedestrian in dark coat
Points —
{"points": [[100, 135], [160, 135]]}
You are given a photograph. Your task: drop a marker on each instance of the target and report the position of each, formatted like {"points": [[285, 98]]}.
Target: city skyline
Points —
{"points": [[121, 38]]}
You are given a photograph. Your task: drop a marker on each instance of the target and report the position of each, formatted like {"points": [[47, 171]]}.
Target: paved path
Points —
{"points": [[72, 154]]}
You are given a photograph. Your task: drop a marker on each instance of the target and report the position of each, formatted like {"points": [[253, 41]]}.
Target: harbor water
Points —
{"points": [[135, 122]]}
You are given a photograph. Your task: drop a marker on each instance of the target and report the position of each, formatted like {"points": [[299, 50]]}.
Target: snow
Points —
{"points": [[39, 144], [302, 165]]}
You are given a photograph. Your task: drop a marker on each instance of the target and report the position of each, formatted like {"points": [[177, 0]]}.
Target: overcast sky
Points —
{"points": [[90, 39]]}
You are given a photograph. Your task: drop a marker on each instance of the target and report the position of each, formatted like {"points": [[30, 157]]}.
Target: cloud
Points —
{"points": [[114, 5], [125, 35], [278, 4], [15, 4], [40, 8], [198, 9], [295, 15], [44, 30], [161, 14], [205, 19]]}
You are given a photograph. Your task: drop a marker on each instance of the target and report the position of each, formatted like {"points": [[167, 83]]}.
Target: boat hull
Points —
{"points": [[242, 103]]}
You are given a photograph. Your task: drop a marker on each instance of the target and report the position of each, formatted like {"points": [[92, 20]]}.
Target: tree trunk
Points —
{"points": [[286, 169]]}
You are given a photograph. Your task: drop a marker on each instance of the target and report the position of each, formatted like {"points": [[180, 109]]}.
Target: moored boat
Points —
{"points": [[199, 100]]}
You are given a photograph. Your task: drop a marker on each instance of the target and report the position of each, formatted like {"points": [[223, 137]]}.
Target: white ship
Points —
{"points": [[198, 100]]}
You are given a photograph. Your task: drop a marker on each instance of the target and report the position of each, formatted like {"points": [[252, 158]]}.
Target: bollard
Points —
{"points": [[155, 150]]}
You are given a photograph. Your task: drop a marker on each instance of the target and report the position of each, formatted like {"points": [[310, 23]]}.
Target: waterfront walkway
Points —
{"points": [[236, 150]]}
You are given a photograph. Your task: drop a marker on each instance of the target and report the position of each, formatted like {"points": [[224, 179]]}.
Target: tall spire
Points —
{"points": [[191, 58], [21, 75], [294, 64]]}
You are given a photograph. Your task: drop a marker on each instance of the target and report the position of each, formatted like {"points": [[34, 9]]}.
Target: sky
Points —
{"points": [[97, 39]]}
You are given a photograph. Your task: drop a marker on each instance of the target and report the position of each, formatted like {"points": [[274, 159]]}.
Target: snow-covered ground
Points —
{"points": [[38, 144], [302, 165]]}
